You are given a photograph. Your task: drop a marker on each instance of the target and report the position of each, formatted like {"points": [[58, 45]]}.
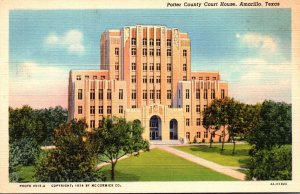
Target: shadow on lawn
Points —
{"points": [[227, 152], [120, 176]]}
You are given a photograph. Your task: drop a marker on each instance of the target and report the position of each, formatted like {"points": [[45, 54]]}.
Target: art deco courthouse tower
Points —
{"points": [[146, 76]]}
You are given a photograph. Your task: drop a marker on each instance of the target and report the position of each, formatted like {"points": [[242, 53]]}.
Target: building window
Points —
{"points": [[205, 94], [133, 106], [116, 66], [169, 53], [108, 109], [157, 66], [144, 41], [120, 94], [157, 52], [133, 51], [188, 135], [117, 51], [157, 94], [102, 77], [133, 66], [100, 94], [151, 52], [108, 94], [198, 134], [117, 77], [92, 110], [222, 93], [92, 94], [205, 108], [79, 94], [92, 123], [86, 77], [184, 67], [198, 94], [120, 109], [184, 78], [100, 111], [94, 77], [169, 79], [206, 134], [207, 78], [151, 67], [133, 41], [213, 134], [169, 94], [187, 94], [144, 52], [158, 79], [151, 80], [144, 79], [214, 78], [169, 42], [187, 122], [200, 78], [157, 42], [133, 79], [193, 78], [144, 66], [151, 42], [198, 121], [184, 53], [197, 108], [78, 77], [213, 94], [79, 109], [169, 67], [133, 94], [187, 108], [144, 94], [100, 123], [151, 94]]}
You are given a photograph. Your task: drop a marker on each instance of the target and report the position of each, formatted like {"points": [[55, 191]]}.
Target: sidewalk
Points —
{"points": [[208, 164]]}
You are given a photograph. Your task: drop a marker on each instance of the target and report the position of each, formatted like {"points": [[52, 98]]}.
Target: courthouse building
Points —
{"points": [[145, 75]]}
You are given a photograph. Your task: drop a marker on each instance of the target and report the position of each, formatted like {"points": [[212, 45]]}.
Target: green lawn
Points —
{"points": [[214, 154], [158, 165], [26, 173]]}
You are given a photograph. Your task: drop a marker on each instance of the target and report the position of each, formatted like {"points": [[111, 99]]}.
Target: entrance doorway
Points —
{"points": [[173, 129], [155, 128]]}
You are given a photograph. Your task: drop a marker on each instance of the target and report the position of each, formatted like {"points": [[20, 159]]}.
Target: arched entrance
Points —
{"points": [[173, 129], [155, 128]]}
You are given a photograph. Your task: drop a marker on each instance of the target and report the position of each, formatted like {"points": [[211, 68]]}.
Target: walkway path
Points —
{"points": [[208, 164]]}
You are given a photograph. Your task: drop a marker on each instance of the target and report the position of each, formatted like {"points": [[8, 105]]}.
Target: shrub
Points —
{"points": [[274, 164]]}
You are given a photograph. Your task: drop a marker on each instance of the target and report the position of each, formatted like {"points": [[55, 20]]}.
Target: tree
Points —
{"points": [[270, 156], [273, 164], [48, 120], [216, 117], [211, 120], [117, 138], [73, 159], [274, 126], [22, 123]]}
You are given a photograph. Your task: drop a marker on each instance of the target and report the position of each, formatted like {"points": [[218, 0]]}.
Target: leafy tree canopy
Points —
{"points": [[73, 160], [274, 126], [118, 137]]}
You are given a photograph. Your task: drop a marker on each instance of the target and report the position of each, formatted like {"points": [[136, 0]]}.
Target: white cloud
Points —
{"points": [[265, 43], [71, 40], [39, 85], [258, 80]]}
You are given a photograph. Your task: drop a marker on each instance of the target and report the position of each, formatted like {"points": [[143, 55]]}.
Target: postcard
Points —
{"points": [[149, 96]]}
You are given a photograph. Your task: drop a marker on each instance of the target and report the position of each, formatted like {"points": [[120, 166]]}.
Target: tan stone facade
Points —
{"points": [[146, 75]]}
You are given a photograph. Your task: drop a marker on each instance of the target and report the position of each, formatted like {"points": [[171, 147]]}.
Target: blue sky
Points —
{"points": [[251, 48]]}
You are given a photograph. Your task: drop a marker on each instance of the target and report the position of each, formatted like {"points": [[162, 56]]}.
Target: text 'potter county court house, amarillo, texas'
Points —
{"points": [[146, 76]]}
